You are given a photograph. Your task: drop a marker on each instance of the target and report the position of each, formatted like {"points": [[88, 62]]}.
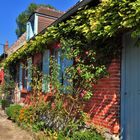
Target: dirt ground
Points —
{"points": [[10, 131]]}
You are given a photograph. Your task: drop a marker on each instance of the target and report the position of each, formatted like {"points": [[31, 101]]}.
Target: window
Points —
{"points": [[63, 78], [65, 63], [17, 74], [32, 26], [29, 73], [45, 70], [24, 75], [30, 32], [20, 76], [37, 61], [57, 55]]}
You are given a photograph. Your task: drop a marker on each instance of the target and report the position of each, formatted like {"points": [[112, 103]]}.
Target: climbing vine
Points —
{"points": [[89, 37]]}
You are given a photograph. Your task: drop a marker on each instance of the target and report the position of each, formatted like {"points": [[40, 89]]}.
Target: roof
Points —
{"points": [[70, 12], [41, 10], [17, 44], [73, 10], [49, 12]]}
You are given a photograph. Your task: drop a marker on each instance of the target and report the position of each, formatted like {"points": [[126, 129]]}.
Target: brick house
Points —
{"points": [[37, 22], [113, 106]]}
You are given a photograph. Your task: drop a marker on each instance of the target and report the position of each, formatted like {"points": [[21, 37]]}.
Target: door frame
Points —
{"points": [[123, 87]]}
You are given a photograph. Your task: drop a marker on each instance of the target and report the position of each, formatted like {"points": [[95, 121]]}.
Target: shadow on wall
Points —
{"points": [[104, 106]]}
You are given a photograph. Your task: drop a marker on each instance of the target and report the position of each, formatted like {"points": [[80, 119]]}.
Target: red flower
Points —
{"points": [[86, 52], [53, 105], [57, 46], [83, 93], [79, 70]]}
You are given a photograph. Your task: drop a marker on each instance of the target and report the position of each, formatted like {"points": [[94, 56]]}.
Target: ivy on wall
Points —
{"points": [[91, 31]]}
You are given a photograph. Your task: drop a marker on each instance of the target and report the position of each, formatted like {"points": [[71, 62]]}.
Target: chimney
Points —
{"points": [[6, 47]]}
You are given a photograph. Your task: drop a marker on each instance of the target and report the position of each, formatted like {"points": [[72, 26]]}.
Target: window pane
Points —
{"points": [[20, 76], [45, 69], [29, 73]]}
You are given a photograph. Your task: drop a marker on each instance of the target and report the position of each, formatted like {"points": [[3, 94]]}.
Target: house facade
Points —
{"points": [[115, 103], [37, 22]]}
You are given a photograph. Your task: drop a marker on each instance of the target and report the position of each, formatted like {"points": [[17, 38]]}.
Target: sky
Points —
{"points": [[10, 9]]}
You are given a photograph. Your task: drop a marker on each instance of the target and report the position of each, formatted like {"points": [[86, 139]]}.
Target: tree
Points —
{"points": [[23, 17]]}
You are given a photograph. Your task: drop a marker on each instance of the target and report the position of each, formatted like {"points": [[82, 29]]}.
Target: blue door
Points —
{"points": [[130, 95]]}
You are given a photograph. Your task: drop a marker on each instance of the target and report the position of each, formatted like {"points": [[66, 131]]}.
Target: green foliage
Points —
{"points": [[13, 112], [61, 136], [86, 135], [5, 103], [1, 93], [7, 89], [8, 86], [52, 113], [36, 84], [53, 78], [81, 135], [26, 116], [24, 16], [57, 120], [89, 38], [60, 113]]}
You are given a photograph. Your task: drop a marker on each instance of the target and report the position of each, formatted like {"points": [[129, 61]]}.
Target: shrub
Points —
{"points": [[86, 135], [81, 135], [0, 101], [56, 112], [13, 111], [5, 103], [26, 116], [66, 117], [61, 136]]}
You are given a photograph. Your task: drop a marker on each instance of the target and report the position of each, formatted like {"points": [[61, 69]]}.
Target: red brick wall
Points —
{"points": [[43, 22], [1, 76], [37, 59], [104, 106]]}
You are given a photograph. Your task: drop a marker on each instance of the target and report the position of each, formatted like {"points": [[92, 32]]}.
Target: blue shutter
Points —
{"points": [[17, 74], [30, 32], [29, 70], [65, 64], [20, 76], [58, 55], [27, 30], [46, 58]]}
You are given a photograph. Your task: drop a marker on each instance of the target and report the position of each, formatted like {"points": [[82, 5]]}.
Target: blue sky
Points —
{"points": [[10, 9]]}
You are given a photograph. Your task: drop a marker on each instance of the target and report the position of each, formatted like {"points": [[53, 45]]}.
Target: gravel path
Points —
{"points": [[10, 131]]}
